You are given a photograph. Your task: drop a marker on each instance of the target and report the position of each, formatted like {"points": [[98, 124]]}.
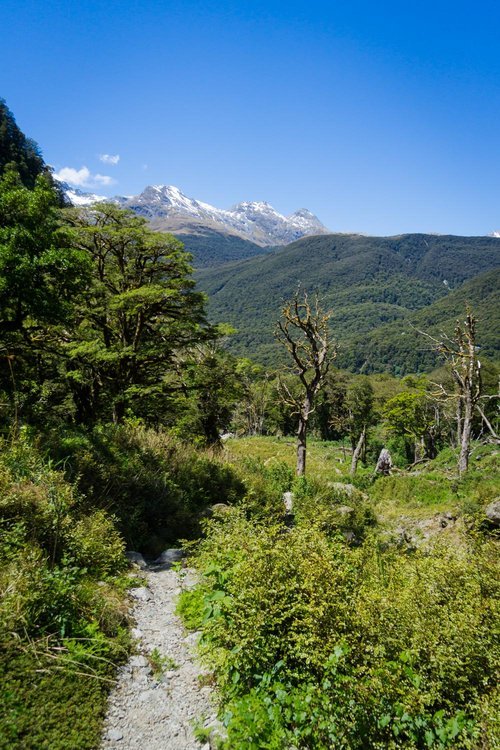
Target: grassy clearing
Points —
{"points": [[430, 489], [326, 461]]}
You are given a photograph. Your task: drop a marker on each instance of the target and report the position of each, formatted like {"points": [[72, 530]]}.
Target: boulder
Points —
{"points": [[139, 662], [349, 536], [288, 501], [218, 509], [343, 510], [384, 463], [137, 559], [493, 512]]}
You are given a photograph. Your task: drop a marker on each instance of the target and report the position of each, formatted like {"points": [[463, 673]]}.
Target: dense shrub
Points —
{"points": [[316, 644], [334, 507]]}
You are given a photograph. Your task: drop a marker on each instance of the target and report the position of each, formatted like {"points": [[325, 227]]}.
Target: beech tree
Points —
{"points": [[304, 332], [39, 275], [211, 388], [408, 414], [40, 278], [138, 313]]}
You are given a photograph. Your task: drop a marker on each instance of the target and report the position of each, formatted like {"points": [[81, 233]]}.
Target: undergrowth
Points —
{"points": [[320, 643], [63, 625], [155, 485]]}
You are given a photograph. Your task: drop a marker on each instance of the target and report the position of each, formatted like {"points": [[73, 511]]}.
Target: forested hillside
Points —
{"points": [[212, 249], [400, 346], [366, 281]]}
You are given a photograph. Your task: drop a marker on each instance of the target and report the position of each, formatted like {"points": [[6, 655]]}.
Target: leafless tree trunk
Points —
{"points": [[461, 354], [303, 330], [358, 451], [459, 421], [466, 371], [463, 460], [488, 424]]}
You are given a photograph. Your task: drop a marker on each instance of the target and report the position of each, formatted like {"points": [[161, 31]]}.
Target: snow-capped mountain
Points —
{"points": [[169, 209], [78, 197]]}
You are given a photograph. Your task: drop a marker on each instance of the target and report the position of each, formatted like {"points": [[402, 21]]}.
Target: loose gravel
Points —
{"points": [[158, 711]]}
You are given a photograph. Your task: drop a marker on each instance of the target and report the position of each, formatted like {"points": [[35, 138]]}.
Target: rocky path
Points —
{"points": [[157, 711]]}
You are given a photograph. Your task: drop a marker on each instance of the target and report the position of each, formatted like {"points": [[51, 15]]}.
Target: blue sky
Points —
{"points": [[380, 117]]}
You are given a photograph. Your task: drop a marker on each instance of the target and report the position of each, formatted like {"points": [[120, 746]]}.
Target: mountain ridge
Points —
{"points": [[169, 209]]}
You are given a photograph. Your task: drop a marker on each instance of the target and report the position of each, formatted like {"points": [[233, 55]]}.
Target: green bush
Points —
{"points": [[333, 507], [316, 644], [95, 544]]}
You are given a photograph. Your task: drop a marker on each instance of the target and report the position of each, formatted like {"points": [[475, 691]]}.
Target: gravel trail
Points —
{"points": [[151, 712]]}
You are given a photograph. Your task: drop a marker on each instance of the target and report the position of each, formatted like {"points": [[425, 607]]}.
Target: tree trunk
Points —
{"points": [[430, 447], [211, 430], [84, 399], [419, 449], [487, 422], [301, 446], [459, 421], [118, 411], [357, 451], [463, 461]]}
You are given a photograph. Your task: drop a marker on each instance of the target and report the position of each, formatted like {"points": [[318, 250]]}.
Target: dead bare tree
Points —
{"points": [[460, 353], [303, 330]]}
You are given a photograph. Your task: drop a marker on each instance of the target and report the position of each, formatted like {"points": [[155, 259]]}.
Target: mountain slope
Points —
{"points": [[258, 222], [211, 249], [366, 281]]}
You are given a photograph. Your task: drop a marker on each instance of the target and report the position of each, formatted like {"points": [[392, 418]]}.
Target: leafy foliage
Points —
{"points": [[317, 644], [60, 633], [17, 151], [156, 486], [135, 316]]}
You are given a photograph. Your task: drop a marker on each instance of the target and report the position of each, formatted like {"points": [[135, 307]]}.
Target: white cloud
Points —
{"points": [[103, 179], [110, 158], [82, 177]]}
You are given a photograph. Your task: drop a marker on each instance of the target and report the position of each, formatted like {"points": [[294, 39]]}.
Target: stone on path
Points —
{"points": [[137, 558], [169, 556], [141, 593], [114, 735]]}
